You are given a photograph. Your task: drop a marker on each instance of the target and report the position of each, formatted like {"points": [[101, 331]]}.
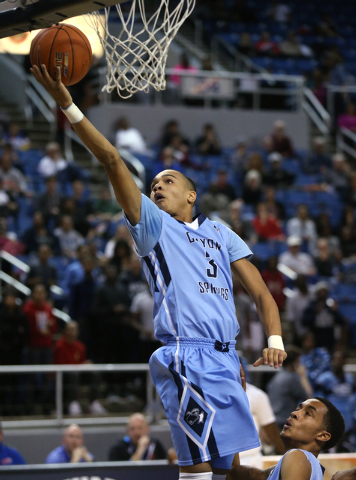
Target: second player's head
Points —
{"points": [[173, 192], [315, 425]]}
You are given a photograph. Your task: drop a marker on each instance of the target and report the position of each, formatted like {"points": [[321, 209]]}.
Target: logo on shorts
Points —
{"points": [[195, 417]]}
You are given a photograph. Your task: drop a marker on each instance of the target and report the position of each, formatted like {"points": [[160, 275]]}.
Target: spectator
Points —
{"points": [[243, 228], [208, 143], [265, 422], [275, 282], [69, 239], [81, 300], [315, 360], [111, 305], [49, 202], [170, 129], [280, 141], [324, 230], [289, 386], [142, 313], [72, 449], [324, 262], [129, 137], [180, 151], [255, 162], [266, 46], [42, 324], [122, 255], [296, 304], [74, 272], [279, 12], [14, 182], [339, 176], [245, 45], [338, 387], [106, 208], [213, 201], [239, 158], [42, 273], [290, 46], [300, 263], [38, 235], [274, 207], [267, 226], [132, 277], [224, 186], [322, 316], [183, 65], [53, 162], [68, 350], [121, 233], [9, 456], [303, 227], [252, 191], [83, 208], [9, 243], [17, 139], [167, 161], [318, 160], [348, 243], [137, 444], [348, 119], [277, 177], [13, 329], [8, 204]]}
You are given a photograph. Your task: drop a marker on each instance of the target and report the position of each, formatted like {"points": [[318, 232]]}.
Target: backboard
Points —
{"points": [[18, 16]]}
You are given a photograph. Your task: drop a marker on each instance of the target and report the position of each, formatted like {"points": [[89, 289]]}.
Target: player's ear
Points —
{"points": [[192, 196], [323, 436]]}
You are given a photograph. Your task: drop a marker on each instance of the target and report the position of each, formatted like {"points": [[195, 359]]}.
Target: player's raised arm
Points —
{"points": [[267, 310], [126, 190]]}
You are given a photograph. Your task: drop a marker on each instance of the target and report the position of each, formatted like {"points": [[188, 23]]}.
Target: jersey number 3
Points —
{"points": [[213, 271]]}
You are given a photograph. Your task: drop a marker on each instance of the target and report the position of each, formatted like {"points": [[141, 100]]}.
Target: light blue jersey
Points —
{"points": [[317, 471], [188, 270], [197, 374]]}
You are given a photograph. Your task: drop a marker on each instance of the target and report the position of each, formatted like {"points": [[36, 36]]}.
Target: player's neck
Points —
{"points": [[311, 448], [186, 217]]}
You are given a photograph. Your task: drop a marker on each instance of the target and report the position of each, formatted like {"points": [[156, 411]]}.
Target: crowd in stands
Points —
{"points": [[295, 209]]}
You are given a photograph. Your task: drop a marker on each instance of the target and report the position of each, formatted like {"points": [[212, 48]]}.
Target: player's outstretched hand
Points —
{"points": [[54, 87], [272, 357]]}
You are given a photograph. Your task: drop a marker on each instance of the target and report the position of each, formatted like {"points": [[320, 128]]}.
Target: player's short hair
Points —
{"points": [[190, 183], [334, 423]]}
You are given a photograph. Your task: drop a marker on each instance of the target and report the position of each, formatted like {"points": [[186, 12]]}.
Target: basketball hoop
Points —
{"points": [[136, 60]]}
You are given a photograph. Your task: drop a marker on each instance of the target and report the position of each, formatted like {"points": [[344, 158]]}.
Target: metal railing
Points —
{"points": [[4, 277], [346, 141], [58, 370], [316, 112]]}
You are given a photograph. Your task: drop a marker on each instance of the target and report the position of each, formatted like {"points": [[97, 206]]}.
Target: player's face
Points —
{"points": [[305, 423], [170, 193]]}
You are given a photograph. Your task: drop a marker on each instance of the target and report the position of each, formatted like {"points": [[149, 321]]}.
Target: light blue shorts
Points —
{"points": [[199, 383]]}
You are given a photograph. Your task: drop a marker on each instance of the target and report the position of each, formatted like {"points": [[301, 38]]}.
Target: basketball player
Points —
{"points": [[187, 263], [315, 425]]}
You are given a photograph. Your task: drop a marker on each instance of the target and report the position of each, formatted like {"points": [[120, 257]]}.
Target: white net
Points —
{"points": [[137, 58]]}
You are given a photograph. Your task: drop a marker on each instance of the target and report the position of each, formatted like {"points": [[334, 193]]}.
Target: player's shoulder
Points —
{"points": [[298, 458]]}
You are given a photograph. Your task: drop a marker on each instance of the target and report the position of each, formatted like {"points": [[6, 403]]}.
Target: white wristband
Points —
{"points": [[73, 113], [275, 341]]}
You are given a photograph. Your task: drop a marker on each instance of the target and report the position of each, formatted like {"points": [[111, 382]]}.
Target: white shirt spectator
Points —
{"points": [[49, 167], [4, 198], [13, 180], [69, 241], [280, 13], [130, 139], [303, 229], [295, 307], [262, 414], [142, 304], [301, 263]]}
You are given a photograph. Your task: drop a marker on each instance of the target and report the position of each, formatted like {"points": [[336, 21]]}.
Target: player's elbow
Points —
{"points": [[110, 159]]}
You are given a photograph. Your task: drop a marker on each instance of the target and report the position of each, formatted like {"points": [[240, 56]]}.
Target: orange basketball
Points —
{"points": [[62, 46]]}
